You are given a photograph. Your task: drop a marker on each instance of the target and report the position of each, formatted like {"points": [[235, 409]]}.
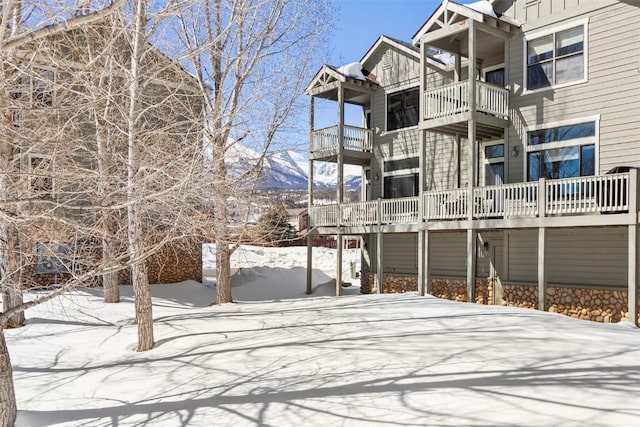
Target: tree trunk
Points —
{"points": [[223, 272], [10, 272], [143, 305], [8, 407], [140, 281]]}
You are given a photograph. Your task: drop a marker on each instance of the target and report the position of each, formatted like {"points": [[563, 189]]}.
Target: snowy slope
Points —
{"points": [[357, 360], [288, 170]]}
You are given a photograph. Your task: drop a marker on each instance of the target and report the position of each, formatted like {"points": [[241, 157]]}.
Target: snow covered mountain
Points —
{"points": [[288, 170]]}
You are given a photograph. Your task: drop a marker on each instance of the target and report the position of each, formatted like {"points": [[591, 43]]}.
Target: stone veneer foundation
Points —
{"points": [[607, 305]]}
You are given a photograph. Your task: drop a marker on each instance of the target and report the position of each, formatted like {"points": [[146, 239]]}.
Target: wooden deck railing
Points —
{"points": [[354, 138], [454, 99], [400, 211], [570, 196]]}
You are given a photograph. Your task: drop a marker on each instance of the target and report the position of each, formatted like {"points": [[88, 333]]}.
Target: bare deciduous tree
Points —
{"points": [[73, 100], [252, 59]]}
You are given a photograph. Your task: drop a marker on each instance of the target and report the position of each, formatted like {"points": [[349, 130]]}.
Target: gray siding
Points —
{"points": [[485, 258], [403, 73], [448, 254], [522, 246], [575, 256], [612, 90], [400, 253], [587, 256]]}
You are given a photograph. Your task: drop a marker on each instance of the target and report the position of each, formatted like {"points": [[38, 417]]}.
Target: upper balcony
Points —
{"points": [[356, 144], [575, 201], [447, 109]]}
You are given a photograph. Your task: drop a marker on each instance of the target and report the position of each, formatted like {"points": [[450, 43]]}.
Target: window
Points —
{"points": [[40, 180], [401, 186], [402, 178], [495, 77], [42, 87], [563, 151], [557, 58], [402, 108]]}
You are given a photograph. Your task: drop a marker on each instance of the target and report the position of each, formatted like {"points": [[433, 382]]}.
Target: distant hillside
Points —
{"points": [[288, 170]]}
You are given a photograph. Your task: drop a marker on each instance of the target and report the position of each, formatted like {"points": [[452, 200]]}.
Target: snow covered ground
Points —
{"points": [[327, 361]]}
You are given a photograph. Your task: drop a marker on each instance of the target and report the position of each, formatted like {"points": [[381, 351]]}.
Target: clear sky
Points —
{"points": [[359, 23]]}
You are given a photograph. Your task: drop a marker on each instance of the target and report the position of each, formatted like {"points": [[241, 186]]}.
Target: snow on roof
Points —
{"points": [[354, 69], [484, 7]]}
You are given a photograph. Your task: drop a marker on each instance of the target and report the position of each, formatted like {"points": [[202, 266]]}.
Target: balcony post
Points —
{"points": [[633, 252], [542, 198], [379, 249], [472, 245], [471, 125], [542, 268], [309, 262], [340, 186], [309, 289], [339, 244]]}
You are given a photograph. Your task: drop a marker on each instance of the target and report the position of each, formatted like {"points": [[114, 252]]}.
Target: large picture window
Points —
{"points": [[565, 151], [401, 177], [557, 58], [402, 108]]}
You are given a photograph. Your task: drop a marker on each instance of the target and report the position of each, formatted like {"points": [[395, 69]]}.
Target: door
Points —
{"points": [[491, 171]]}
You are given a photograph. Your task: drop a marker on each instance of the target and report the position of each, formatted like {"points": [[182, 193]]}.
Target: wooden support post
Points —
{"points": [[472, 246], [421, 263], [309, 290], [379, 263], [309, 263], [471, 125], [633, 252], [633, 274], [427, 263], [340, 159], [542, 269], [339, 244]]}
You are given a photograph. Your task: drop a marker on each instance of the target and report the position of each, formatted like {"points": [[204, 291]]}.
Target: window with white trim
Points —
{"points": [[401, 178], [556, 58], [402, 108], [564, 151]]}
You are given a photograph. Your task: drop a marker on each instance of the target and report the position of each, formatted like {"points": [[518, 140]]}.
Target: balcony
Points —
{"points": [[357, 144], [446, 109], [582, 196]]}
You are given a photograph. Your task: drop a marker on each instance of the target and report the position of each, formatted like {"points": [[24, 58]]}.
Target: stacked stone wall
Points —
{"points": [[392, 283], [596, 304], [447, 288], [484, 291], [600, 305], [520, 295]]}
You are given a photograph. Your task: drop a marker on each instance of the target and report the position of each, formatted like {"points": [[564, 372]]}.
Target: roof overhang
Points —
{"points": [[329, 78], [390, 42], [451, 16]]}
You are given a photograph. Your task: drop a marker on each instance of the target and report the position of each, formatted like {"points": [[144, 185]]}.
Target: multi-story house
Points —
{"points": [[64, 118], [498, 149]]}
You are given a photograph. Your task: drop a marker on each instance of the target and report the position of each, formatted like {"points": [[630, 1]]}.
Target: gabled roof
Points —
{"points": [[329, 75], [450, 12], [405, 47]]}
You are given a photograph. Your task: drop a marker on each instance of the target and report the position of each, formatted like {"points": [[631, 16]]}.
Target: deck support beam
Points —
{"points": [[339, 245], [309, 289], [472, 236], [633, 252], [421, 263], [633, 273], [379, 264], [542, 269], [309, 264]]}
